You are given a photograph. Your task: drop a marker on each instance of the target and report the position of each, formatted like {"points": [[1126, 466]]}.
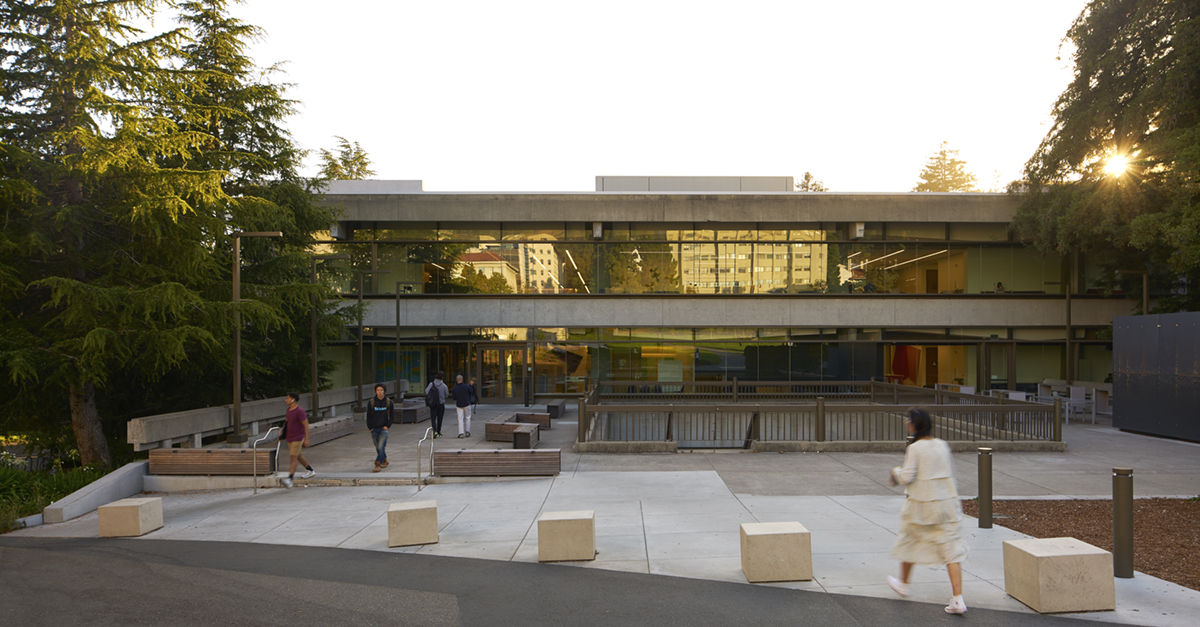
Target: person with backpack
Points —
{"points": [[435, 400], [380, 413]]}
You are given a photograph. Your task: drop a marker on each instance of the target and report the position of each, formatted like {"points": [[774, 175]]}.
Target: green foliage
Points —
{"points": [[27, 493], [1134, 95], [350, 163], [125, 164], [810, 183], [945, 172]]}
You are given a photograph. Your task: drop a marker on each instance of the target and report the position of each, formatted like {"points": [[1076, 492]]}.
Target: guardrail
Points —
{"points": [[192, 426], [957, 416]]}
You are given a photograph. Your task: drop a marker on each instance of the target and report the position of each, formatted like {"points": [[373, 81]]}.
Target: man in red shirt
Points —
{"points": [[296, 431]]}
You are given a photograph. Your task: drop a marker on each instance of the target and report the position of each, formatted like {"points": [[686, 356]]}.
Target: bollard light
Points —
{"points": [[1123, 523], [985, 488]]}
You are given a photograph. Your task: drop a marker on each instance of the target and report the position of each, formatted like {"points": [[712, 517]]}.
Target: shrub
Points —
{"points": [[26, 493]]}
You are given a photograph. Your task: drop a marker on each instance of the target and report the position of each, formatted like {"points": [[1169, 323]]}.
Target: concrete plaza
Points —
{"points": [[678, 514]]}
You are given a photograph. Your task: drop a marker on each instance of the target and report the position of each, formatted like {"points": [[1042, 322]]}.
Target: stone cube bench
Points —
{"points": [[1053, 575], [129, 518], [776, 551], [412, 523], [567, 536]]}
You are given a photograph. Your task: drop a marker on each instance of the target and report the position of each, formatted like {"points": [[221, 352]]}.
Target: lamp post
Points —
{"points": [[1145, 288], [316, 404], [237, 437], [361, 273]]}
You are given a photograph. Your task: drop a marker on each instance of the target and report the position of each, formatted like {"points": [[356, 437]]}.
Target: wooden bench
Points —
{"points": [[211, 461], [526, 436], [327, 430], [541, 420], [556, 408], [500, 428], [497, 463], [410, 412]]}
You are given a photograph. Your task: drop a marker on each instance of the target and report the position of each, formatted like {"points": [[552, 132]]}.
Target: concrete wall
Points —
{"points": [[374, 187], [857, 310], [121, 483], [675, 207], [164, 429]]}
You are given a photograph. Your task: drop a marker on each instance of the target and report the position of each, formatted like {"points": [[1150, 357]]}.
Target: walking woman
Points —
{"points": [[931, 520]]}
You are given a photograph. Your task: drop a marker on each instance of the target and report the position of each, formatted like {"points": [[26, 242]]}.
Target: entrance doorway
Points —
{"points": [[502, 373]]}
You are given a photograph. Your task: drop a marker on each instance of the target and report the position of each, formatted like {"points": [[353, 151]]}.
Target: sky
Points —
{"points": [[545, 96]]}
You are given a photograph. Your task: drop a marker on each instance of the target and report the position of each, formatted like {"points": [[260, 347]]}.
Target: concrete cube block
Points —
{"points": [[130, 517], [412, 523], [776, 551], [1059, 575], [567, 536]]}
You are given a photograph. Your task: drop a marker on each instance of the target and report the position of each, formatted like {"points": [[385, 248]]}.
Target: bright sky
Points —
{"points": [[545, 96]]}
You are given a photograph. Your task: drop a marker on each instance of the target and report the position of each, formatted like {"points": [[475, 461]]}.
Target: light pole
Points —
{"points": [[315, 383], [237, 437], [1145, 288], [361, 273]]}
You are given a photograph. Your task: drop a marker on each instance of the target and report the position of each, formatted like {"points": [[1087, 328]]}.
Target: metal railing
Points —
{"points": [[813, 418], [254, 454]]}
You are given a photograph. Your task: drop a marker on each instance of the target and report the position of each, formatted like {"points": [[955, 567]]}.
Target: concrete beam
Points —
{"points": [[675, 207], [850, 310]]}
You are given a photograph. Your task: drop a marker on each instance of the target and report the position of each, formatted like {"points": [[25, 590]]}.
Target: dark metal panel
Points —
{"points": [[1156, 378]]}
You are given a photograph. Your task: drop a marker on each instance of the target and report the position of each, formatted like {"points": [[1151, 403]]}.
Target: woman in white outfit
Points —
{"points": [[931, 520]]}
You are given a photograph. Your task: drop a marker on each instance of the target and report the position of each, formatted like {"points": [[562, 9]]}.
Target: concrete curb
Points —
{"points": [[121, 483], [626, 447], [191, 483], [28, 521], [1001, 446]]}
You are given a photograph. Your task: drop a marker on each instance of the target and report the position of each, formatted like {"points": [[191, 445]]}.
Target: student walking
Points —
{"points": [[463, 394], [380, 413], [295, 431], [435, 400], [931, 519]]}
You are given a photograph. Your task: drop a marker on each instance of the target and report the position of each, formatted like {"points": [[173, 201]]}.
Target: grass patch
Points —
{"points": [[27, 493]]}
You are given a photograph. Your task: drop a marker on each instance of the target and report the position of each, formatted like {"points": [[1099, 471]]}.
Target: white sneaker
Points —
{"points": [[309, 474], [287, 483], [899, 587], [957, 606]]}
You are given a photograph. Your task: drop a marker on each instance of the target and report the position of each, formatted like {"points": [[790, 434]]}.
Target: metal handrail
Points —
{"points": [[419, 442], [254, 454]]}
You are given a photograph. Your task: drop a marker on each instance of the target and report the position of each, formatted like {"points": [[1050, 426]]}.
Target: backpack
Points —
{"points": [[433, 397]]}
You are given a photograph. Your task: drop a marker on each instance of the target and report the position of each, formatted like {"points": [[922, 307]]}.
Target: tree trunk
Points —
{"points": [[85, 423]]}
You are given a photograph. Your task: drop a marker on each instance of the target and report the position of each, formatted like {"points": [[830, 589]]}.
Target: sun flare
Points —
{"points": [[1116, 165]]}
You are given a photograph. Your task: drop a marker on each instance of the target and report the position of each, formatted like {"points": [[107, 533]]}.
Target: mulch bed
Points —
{"points": [[1166, 532]]}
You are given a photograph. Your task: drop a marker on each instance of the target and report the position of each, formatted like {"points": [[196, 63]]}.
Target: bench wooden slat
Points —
{"points": [[526, 436], [500, 428], [329, 429], [206, 461], [499, 462], [556, 408], [540, 419]]}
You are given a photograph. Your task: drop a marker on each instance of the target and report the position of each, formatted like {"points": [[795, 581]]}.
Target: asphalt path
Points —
{"points": [[67, 581]]}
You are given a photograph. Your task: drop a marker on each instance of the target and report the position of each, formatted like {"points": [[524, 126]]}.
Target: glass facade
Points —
{"points": [[686, 258], [510, 361]]}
